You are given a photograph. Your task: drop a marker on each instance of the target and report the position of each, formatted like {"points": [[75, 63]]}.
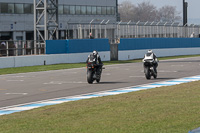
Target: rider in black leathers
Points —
{"points": [[97, 59]]}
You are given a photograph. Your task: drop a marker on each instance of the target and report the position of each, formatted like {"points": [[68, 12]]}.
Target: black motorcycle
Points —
{"points": [[93, 72], [149, 70]]}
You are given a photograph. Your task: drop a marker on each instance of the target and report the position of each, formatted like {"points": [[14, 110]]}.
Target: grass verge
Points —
{"points": [[173, 109], [73, 65]]}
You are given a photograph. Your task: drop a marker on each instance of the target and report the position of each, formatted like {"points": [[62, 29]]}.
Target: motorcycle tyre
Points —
{"points": [[90, 77], [147, 74], [98, 79], [155, 76]]}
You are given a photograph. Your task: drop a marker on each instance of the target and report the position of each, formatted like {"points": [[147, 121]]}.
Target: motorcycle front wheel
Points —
{"points": [[98, 79], [155, 75]]}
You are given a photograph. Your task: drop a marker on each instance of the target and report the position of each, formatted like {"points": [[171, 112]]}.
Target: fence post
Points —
{"points": [[23, 48], [16, 48], [6, 48]]}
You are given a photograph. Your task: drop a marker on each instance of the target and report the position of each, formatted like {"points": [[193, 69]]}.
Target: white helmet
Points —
{"points": [[95, 52], [150, 51]]}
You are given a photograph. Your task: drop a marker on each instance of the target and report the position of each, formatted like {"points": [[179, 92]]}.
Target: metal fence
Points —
{"points": [[17, 48], [115, 31]]}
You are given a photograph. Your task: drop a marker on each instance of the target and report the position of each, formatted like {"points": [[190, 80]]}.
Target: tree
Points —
{"points": [[126, 10], [168, 14], [145, 11]]}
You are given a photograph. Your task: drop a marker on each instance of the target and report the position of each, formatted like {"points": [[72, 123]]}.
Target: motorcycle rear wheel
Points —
{"points": [[147, 73], [90, 77]]}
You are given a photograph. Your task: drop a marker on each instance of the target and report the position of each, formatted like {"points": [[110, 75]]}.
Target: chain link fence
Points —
{"points": [[17, 48]]}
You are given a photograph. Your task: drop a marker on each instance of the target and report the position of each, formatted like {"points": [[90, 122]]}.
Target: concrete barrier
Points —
{"points": [[35, 60], [113, 52]]}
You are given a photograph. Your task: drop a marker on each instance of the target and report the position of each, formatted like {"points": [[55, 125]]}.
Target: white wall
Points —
{"points": [[137, 54], [34, 60], [20, 61]]}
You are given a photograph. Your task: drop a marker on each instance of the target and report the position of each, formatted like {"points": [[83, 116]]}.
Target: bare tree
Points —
{"points": [[126, 10], [145, 11], [168, 14]]}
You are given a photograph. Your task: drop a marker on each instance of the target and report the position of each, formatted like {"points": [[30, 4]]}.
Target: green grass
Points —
{"points": [[173, 109], [72, 65]]}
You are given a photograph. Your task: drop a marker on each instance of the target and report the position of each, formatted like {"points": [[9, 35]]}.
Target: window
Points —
{"points": [[4, 8], [72, 10], [60, 9], [32, 9], [66, 10], [78, 10], [103, 10], [11, 8], [98, 10], [94, 10], [28, 8], [108, 10], [89, 10], [83, 10], [19, 8], [113, 10]]}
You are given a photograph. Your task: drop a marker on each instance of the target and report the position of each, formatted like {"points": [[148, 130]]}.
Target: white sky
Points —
{"points": [[193, 6]]}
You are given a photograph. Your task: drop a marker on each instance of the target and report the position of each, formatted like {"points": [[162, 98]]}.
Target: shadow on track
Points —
{"points": [[163, 78], [180, 61], [110, 82]]}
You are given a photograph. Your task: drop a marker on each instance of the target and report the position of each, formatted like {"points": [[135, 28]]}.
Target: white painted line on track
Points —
{"points": [[16, 93], [15, 80], [178, 65], [21, 108], [64, 82], [165, 71], [136, 76], [53, 102]]}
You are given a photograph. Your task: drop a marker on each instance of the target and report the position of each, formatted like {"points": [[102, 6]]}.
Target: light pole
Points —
{"points": [[185, 5]]}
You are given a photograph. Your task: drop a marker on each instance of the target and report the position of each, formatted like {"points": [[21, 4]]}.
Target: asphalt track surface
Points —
{"points": [[36, 86]]}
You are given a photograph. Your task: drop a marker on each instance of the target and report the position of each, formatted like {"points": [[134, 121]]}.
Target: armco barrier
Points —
{"points": [[136, 48], [158, 43], [76, 46], [35, 60]]}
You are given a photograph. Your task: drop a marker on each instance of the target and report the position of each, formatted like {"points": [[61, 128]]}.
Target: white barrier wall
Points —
{"points": [[35, 60], [138, 54]]}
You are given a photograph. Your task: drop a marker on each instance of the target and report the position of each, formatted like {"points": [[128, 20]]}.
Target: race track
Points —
{"points": [[31, 87]]}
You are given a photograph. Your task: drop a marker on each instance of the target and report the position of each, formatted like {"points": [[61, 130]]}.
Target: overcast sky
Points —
{"points": [[193, 6]]}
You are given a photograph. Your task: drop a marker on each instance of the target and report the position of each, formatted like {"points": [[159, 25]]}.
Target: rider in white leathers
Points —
{"points": [[150, 55]]}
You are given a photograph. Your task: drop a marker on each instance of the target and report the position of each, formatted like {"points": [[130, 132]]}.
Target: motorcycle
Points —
{"points": [[149, 69], [92, 73]]}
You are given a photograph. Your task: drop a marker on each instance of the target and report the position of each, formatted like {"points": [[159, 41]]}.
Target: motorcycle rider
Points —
{"points": [[97, 59], [151, 55]]}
